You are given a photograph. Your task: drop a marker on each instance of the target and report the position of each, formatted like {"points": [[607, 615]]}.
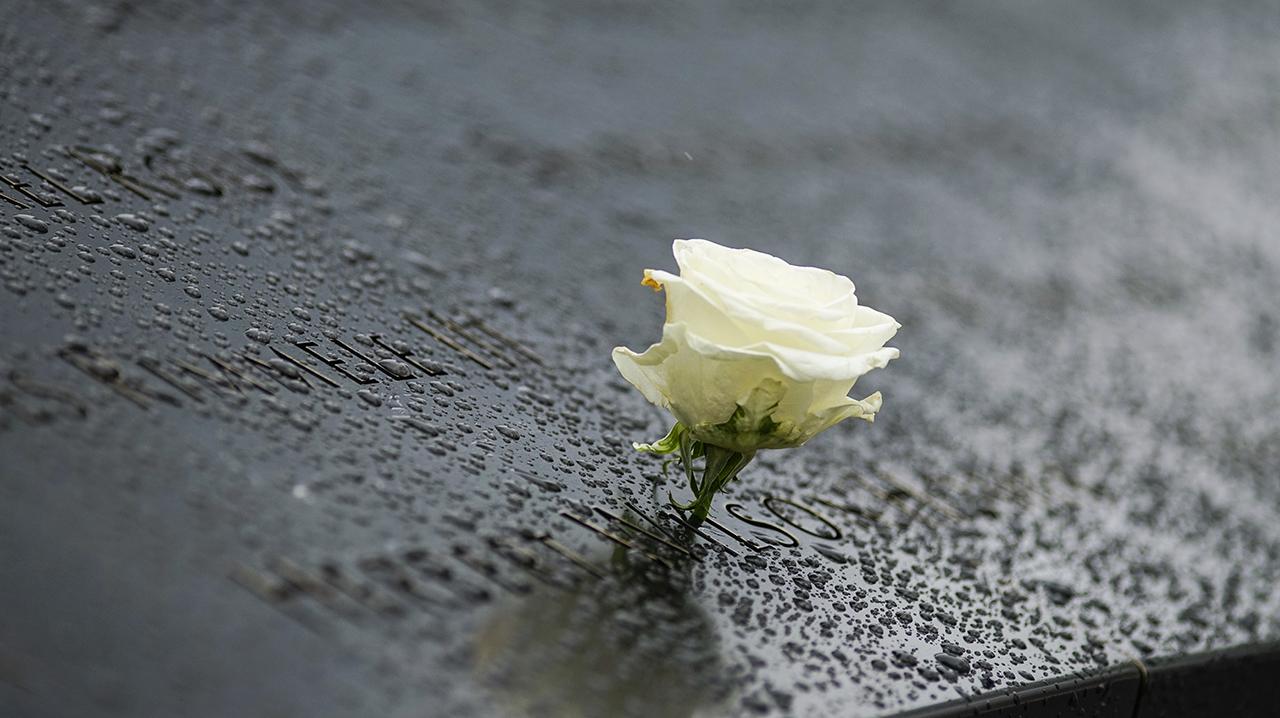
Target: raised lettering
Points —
{"points": [[449, 342], [735, 511], [63, 188], [645, 532], [620, 540], [305, 368], [334, 364], [24, 188], [369, 361], [770, 500], [406, 355]]}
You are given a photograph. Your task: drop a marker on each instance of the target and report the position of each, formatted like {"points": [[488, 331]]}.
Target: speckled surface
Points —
{"points": [[1068, 209]]}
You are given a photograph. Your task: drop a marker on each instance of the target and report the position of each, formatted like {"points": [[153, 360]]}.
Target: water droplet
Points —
{"points": [[133, 221], [31, 223], [396, 368], [955, 663], [261, 336]]}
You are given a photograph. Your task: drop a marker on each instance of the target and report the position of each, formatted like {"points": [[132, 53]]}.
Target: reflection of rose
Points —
{"points": [[615, 647], [757, 353]]}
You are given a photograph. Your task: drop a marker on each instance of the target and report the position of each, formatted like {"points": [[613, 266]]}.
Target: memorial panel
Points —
{"points": [[306, 405]]}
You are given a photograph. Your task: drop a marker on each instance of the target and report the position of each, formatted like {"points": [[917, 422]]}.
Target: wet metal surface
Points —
{"points": [[306, 405]]}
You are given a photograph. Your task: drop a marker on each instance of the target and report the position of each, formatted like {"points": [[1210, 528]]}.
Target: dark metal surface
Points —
{"points": [[1108, 693], [306, 406], [1233, 681]]}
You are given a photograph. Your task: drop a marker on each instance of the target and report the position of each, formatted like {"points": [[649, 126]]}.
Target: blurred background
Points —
{"points": [[1067, 206]]}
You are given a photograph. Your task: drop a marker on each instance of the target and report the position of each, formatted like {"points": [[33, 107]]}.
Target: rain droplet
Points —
{"points": [[134, 222], [31, 223]]}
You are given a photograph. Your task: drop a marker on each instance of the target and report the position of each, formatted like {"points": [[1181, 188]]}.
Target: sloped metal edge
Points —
{"points": [[1109, 692], [1238, 681]]}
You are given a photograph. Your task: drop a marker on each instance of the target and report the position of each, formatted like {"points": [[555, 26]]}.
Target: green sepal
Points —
{"points": [[667, 444], [683, 507]]}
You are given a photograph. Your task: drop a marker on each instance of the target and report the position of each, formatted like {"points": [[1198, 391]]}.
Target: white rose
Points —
{"points": [[757, 353]]}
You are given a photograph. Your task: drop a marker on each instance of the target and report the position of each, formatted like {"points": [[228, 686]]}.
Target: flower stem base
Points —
{"points": [[720, 466]]}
